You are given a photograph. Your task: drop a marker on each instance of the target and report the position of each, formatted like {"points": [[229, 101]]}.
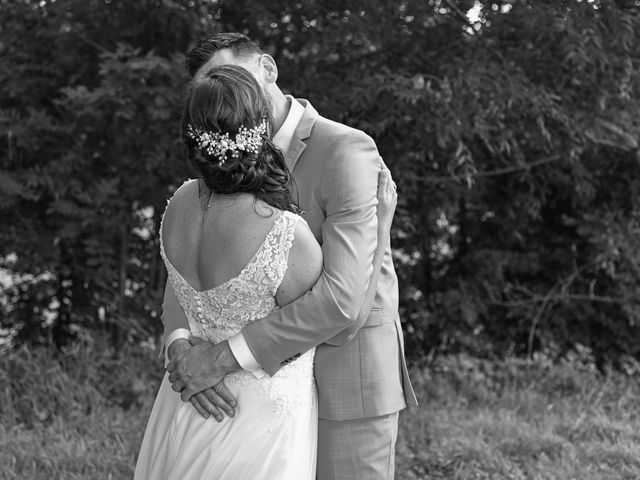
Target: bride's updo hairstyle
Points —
{"points": [[228, 100]]}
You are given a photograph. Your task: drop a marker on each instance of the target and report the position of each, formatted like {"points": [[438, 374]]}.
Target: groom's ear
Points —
{"points": [[269, 68]]}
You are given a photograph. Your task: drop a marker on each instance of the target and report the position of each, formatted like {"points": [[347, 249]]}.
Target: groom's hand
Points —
{"points": [[201, 367], [212, 401]]}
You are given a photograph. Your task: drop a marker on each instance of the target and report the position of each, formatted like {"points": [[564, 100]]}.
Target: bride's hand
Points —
{"points": [[387, 201], [214, 401]]}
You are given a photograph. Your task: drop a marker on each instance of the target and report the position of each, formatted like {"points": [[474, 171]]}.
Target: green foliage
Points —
{"points": [[513, 137]]}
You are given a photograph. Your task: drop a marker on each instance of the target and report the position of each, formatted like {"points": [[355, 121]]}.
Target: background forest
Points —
{"points": [[512, 129]]}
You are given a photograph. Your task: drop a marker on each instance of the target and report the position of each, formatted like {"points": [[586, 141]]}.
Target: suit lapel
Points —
{"points": [[303, 132], [294, 151]]}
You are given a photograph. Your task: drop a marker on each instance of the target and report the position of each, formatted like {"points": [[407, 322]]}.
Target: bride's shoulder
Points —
{"points": [[184, 191], [182, 200], [295, 228], [290, 222], [304, 263], [305, 246]]}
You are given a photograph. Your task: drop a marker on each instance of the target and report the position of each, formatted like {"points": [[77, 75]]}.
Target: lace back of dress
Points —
{"points": [[220, 312]]}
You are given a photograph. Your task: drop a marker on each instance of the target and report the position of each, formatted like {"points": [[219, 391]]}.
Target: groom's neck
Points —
{"points": [[281, 106]]}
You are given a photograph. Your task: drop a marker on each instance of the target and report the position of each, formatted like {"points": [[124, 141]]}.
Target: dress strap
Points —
{"points": [[277, 246], [287, 234]]}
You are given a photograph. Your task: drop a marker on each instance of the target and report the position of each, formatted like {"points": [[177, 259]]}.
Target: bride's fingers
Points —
{"points": [[206, 404], [387, 187], [230, 401], [383, 181], [214, 397], [199, 408]]}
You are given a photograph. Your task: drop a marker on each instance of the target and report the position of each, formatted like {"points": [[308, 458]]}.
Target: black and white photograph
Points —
{"points": [[320, 240]]}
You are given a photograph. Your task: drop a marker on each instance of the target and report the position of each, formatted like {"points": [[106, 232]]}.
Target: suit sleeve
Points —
{"points": [[349, 236]]}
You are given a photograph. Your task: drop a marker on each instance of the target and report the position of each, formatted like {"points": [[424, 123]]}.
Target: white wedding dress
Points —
{"points": [[274, 432]]}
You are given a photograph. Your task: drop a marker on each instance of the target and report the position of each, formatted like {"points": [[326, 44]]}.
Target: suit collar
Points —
{"points": [[302, 132]]}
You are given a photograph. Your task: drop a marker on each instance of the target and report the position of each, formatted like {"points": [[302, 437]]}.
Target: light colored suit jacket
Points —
{"points": [[360, 369]]}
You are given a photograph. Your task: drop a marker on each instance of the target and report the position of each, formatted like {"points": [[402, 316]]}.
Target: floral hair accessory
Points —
{"points": [[218, 145]]}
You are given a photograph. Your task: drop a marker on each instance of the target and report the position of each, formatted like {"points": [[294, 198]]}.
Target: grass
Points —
{"points": [[76, 416], [521, 420], [81, 416]]}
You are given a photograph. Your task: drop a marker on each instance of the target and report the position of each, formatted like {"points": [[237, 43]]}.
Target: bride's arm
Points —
{"points": [[304, 265], [174, 322]]}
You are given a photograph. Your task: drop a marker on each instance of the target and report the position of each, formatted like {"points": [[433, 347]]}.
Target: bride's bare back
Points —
{"points": [[210, 245]]}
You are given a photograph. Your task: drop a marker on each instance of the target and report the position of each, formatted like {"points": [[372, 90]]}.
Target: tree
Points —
{"points": [[510, 127], [90, 161]]}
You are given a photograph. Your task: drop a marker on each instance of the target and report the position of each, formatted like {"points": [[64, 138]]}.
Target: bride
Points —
{"points": [[235, 250]]}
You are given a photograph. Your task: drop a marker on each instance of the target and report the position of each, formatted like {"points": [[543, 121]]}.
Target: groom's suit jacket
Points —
{"points": [[360, 369]]}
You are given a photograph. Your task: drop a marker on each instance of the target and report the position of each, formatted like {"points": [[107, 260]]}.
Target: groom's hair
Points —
{"points": [[239, 44]]}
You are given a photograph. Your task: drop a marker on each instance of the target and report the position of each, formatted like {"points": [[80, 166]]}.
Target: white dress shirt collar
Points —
{"points": [[284, 135]]}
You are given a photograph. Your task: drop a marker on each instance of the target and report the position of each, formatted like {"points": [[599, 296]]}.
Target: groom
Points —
{"points": [[360, 370]]}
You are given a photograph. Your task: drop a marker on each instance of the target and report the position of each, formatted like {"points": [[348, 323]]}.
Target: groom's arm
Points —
{"points": [[349, 238], [387, 201]]}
